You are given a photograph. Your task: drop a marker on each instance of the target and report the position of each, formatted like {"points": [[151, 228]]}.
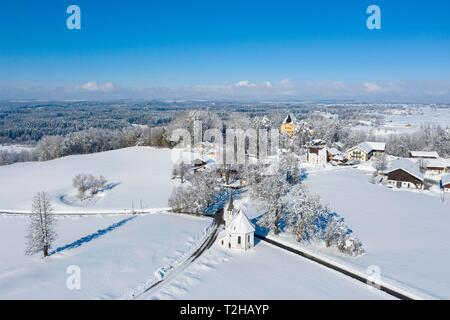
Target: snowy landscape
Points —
{"points": [[162, 223], [223, 151]]}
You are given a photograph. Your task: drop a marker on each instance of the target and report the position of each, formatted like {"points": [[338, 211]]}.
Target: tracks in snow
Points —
{"points": [[152, 288]]}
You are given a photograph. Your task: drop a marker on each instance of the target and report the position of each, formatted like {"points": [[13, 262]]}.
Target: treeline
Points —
{"points": [[88, 141], [427, 138], [30, 122]]}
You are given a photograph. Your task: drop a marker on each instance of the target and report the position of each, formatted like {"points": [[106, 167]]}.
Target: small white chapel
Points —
{"points": [[239, 231]]}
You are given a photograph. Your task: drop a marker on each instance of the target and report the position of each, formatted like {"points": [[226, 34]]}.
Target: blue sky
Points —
{"points": [[226, 49]]}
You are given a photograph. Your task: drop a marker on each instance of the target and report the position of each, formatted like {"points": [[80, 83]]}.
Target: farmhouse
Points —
{"points": [[424, 154], [435, 166], [366, 150], [445, 183], [239, 231], [317, 155], [405, 174], [333, 152], [288, 127]]}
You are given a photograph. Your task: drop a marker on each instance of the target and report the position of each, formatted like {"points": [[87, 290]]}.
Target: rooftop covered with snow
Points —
{"points": [[407, 166], [240, 224], [445, 180], [424, 154]]}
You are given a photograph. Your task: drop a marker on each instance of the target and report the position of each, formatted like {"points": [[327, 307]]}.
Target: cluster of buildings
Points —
{"points": [[402, 173]]}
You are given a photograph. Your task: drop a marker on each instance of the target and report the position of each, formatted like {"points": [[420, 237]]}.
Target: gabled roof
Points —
{"points": [[424, 154], [368, 147], [407, 166], [338, 157], [289, 119], [334, 151], [436, 163], [240, 224], [317, 142], [445, 180]]}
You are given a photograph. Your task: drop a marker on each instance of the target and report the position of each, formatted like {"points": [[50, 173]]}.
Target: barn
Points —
{"points": [[404, 173]]}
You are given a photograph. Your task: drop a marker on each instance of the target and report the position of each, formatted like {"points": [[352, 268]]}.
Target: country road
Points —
{"points": [[209, 241]]}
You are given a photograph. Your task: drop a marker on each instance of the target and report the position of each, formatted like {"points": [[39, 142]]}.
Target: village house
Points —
{"points": [[317, 155], [423, 154], [404, 173], [435, 166], [445, 183], [288, 127], [366, 150], [239, 231], [332, 152]]}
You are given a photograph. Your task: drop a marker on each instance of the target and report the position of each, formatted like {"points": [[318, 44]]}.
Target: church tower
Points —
{"points": [[229, 210]]}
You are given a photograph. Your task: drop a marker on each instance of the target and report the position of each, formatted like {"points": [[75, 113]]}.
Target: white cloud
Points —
{"points": [[245, 84], [409, 91], [95, 86], [372, 87]]}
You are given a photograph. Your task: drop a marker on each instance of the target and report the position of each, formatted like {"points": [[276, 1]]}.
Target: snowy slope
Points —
{"points": [[265, 272], [138, 172], [111, 264], [406, 234], [13, 229]]}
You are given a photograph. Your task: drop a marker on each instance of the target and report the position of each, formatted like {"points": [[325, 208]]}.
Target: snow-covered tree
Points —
{"points": [[184, 200], [269, 195], [41, 231], [340, 235], [239, 120], [88, 185], [304, 214], [188, 119], [381, 163], [289, 166], [251, 174], [197, 194], [49, 147], [422, 165], [181, 170]]}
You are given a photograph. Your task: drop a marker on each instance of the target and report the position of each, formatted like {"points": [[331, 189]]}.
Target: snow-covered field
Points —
{"points": [[265, 272], [405, 233], [399, 122], [111, 264], [136, 174]]}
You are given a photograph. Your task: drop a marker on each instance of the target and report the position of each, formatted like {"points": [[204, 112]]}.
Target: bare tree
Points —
{"points": [[381, 163], [180, 170], [87, 183], [41, 232]]}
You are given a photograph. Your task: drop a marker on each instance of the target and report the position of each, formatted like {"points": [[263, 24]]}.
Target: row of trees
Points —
{"points": [[289, 206], [88, 141], [196, 193]]}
